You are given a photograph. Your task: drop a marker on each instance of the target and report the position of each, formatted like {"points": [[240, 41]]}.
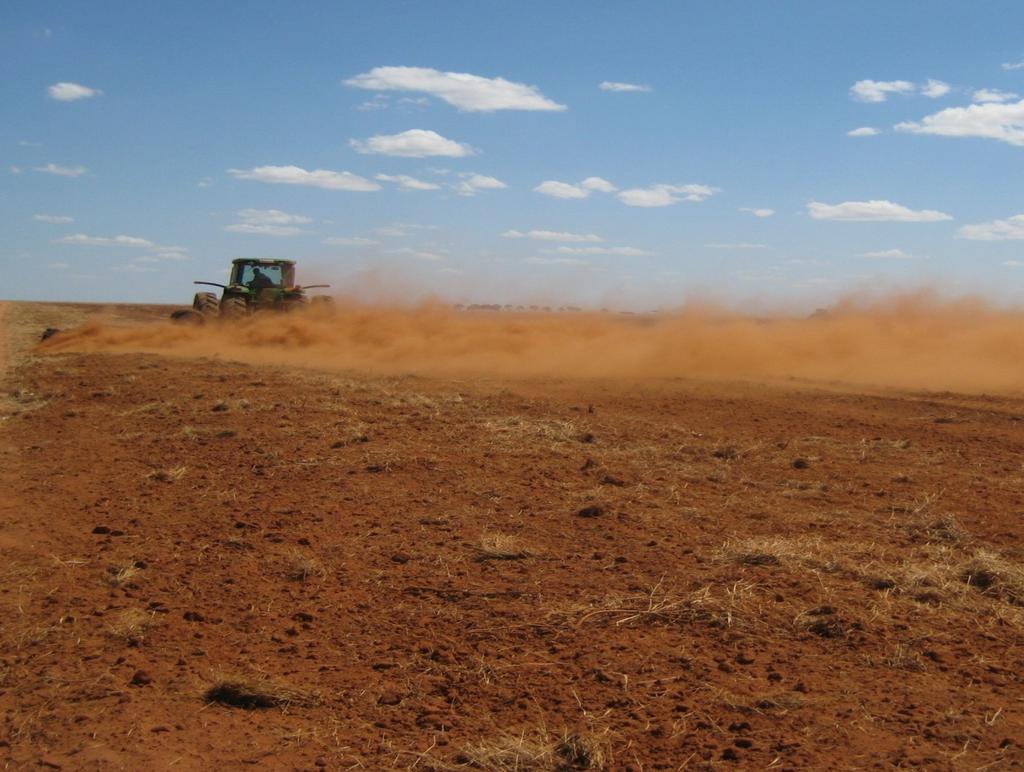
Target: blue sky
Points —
{"points": [[469, 148]]}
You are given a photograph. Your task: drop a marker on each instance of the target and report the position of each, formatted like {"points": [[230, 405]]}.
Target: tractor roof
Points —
{"points": [[262, 261]]}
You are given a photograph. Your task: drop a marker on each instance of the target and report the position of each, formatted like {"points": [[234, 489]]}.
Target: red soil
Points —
{"points": [[427, 570]]}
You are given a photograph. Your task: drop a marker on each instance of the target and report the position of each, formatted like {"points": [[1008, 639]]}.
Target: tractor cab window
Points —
{"points": [[260, 276]]}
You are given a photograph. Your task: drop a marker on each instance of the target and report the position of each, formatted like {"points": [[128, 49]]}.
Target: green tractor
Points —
{"points": [[254, 285]]}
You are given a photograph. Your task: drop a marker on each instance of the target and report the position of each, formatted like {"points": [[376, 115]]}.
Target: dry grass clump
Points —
{"points": [[718, 608], [538, 751], [945, 529], [533, 429], [301, 567], [775, 702], [772, 551], [167, 475], [250, 695], [132, 626], [120, 576], [945, 575], [905, 658], [500, 546], [995, 576]]}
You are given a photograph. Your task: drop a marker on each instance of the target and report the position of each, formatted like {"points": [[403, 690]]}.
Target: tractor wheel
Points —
{"points": [[233, 308], [206, 303], [295, 304], [187, 316]]}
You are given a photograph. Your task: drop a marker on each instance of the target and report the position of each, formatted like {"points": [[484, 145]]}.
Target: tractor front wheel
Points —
{"points": [[206, 303], [233, 308]]}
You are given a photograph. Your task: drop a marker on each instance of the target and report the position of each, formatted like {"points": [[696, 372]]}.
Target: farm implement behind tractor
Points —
{"points": [[254, 285]]}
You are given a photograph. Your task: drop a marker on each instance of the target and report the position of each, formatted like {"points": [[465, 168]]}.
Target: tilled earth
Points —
{"points": [[214, 564]]}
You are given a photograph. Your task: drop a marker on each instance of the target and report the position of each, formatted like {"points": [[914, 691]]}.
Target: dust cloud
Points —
{"points": [[911, 341]]}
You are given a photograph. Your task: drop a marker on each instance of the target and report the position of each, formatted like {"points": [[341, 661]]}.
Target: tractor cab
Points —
{"points": [[263, 274]]}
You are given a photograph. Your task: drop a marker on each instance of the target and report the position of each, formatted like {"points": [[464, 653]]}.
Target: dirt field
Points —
{"points": [[218, 563]]}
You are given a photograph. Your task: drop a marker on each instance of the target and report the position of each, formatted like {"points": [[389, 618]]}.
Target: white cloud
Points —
{"points": [[887, 254], [872, 211], [414, 143], [542, 235], [378, 102], [598, 184], [863, 131], [879, 90], [62, 171], [272, 217], [58, 266], [1004, 122], [665, 195], [400, 229], [582, 189], [351, 241], [757, 212], [268, 222], [561, 189], [205, 182], [15, 169], [471, 93], [737, 245], [934, 89], [611, 85], [29, 143], [80, 239], [264, 230], [161, 257], [471, 184], [296, 175], [1014, 263], [1010, 229], [53, 219], [71, 92], [418, 254], [993, 95], [1013, 65], [406, 182], [555, 261], [621, 251]]}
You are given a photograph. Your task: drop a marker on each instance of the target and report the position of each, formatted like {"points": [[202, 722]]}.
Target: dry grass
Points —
{"points": [[120, 576], [172, 474], [527, 431], [132, 625], [905, 658], [994, 576], [943, 529], [715, 606], [772, 550], [499, 546], [539, 750], [251, 694], [301, 567]]}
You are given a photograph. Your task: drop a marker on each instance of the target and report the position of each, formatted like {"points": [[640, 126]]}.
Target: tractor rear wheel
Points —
{"points": [[233, 308], [206, 303]]}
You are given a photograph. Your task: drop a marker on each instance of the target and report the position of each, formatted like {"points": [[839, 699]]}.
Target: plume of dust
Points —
{"points": [[910, 341]]}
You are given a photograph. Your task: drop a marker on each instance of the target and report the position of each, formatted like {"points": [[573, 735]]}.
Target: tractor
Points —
{"points": [[254, 285]]}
